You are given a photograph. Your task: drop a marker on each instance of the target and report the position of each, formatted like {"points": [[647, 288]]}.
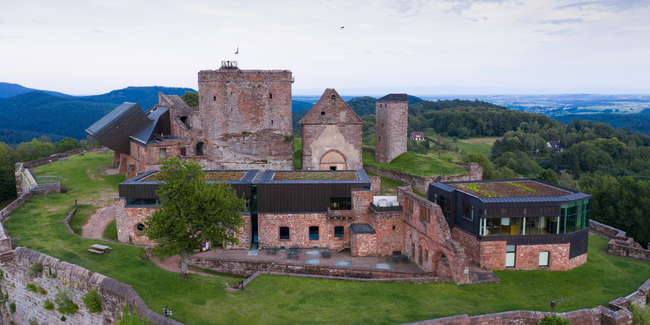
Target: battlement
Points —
{"points": [[234, 74]]}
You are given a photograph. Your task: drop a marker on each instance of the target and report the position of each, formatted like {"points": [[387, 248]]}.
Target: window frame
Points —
{"points": [[288, 234], [338, 234], [548, 259]]}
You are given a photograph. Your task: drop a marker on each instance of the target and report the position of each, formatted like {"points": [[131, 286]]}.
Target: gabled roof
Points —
{"points": [[173, 101], [416, 133], [393, 98], [555, 144], [328, 110], [114, 129]]}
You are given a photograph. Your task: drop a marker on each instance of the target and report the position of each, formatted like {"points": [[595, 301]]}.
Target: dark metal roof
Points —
{"points": [[246, 179], [361, 228], [114, 129], [147, 134], [393, 98]]}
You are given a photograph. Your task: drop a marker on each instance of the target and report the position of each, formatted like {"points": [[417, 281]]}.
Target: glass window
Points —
{"points": [[338, 231], [340, 203], [284, 232], [543, 258], [468, 211], [313, 233], [511, 251], [163, 153]]}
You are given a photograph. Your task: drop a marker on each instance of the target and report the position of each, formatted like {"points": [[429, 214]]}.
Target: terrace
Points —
{"points": [[514, 188]]}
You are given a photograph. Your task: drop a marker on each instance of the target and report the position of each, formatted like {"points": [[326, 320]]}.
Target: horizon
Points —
{"points": [[93, 47]]}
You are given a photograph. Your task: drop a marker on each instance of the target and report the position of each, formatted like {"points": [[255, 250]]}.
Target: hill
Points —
{"points": [[44, 114], [9, 90], [146, 97], [635, 122]]}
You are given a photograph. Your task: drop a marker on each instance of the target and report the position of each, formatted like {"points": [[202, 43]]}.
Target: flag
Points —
{"points": [[237, 50]]}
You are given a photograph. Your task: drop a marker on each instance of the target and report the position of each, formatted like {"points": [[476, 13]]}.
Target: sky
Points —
{"points": [[93, 47]]}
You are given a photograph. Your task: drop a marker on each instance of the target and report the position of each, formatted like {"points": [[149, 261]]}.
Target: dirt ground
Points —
{"points": [[173, 264], [98, 221]]}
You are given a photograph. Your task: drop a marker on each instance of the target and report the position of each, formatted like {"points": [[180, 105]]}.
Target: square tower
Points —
{"points": [[391, 127]]}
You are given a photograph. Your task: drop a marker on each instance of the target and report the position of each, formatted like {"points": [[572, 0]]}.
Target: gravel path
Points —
{"points": [[98, 222]]}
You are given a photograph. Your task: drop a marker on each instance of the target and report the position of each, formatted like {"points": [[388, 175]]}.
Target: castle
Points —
{"points": [[243, 125]]}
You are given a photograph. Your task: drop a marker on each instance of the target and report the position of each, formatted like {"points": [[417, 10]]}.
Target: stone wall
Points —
{"points": [[390, 228], [375, 184], [299, 223], [15, 205], [55, 157], [469, 242], [421, 183], [429, 242], [127, 220], [74, 279], [248, 268], [363, 245], [25, 182], [619, 244]]}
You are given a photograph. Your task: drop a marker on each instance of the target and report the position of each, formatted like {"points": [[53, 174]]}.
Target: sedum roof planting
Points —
{"points": [[527, 188]]}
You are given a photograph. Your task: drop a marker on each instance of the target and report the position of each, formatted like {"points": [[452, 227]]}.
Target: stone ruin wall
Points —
{"points": [[619, 244], [421, 183], [318, 140]]}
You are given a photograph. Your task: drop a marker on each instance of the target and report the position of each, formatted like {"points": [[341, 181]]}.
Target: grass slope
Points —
{"points": [[284, 300], [80, 217], [410, 162], [110, 232]]}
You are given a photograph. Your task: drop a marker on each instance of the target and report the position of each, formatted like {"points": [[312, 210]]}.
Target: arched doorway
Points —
{"points": [[441, 265], [333, 161], [200, 149]]}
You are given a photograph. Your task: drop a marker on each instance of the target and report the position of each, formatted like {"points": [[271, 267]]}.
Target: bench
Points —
{"points": [[101, 248], [94, 251]]}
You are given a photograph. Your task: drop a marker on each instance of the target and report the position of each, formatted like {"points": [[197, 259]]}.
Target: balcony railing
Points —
{"points": [[343, 214], [385, 209]]}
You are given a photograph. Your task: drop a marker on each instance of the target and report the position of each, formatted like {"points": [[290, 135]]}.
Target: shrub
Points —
{"points": [[554, 320], [33, 322], [641, 314], [93, 301], [48, 305], [41, 290], [128, 318], [64, 304], [36, 270], [31, 287], [63, 318], [12, 307], [288, 138]]}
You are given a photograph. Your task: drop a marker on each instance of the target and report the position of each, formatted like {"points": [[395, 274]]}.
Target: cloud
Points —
{"points": [[485, 18], [97, 31], [472, 19], [560, 32], [607, 5], [458, 6], [409, 8], [2, 21], [561, 21]]}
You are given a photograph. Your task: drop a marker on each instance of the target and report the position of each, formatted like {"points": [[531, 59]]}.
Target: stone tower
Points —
{"points": [[245, 118], [331, 135], [391, 127]]}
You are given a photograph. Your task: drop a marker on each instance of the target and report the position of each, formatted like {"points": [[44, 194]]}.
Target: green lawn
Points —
{"points": [[110, 232], [80, 217], [413, 163], [285, 300], [297, 153]]}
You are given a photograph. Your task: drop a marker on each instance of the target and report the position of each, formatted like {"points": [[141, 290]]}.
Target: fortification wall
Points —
{"points": [[421, 183], [619, 244], [56, 156]]}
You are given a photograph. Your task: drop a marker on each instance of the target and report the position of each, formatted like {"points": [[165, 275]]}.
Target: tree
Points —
{"points": [[482, 160], [190, 98], [193, 211], [548, 175]]}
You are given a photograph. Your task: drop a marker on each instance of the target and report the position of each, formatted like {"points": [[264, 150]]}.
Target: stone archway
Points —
{"points": [[333, 160], [441, 266]]}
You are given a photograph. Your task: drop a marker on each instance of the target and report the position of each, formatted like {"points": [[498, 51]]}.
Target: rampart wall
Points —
{"points": [[619, 244], [421, 183]]}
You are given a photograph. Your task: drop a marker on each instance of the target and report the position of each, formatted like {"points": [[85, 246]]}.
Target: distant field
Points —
{"points": [[488, 140]]}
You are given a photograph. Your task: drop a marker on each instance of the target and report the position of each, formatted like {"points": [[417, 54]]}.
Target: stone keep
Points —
{"points": [[331, 135], [391, 127]]}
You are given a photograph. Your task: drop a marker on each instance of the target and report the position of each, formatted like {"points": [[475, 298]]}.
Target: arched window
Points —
{"points": [[200, 149]]}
